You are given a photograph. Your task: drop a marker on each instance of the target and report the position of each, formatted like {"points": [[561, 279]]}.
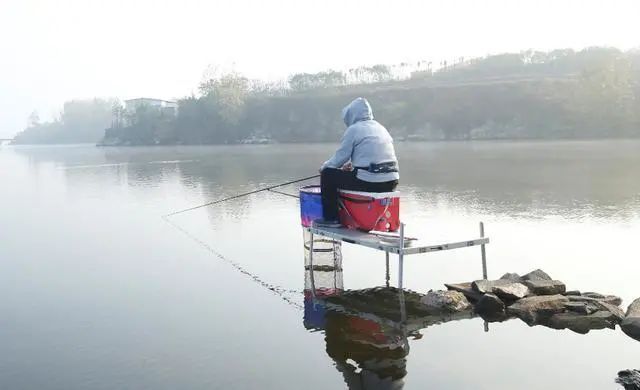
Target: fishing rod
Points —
{"points": [[269, 188]]}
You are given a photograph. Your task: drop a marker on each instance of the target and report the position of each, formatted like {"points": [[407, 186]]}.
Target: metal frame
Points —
{"points": [[399, 245]]}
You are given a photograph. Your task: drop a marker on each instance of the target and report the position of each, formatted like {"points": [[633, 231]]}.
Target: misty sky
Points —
{"points": [[56, 50]]}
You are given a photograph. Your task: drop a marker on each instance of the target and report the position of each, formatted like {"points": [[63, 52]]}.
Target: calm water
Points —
{"points": [[98, 292]]}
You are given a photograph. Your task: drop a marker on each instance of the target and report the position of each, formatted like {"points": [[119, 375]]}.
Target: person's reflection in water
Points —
{"points": [[369, 354]]}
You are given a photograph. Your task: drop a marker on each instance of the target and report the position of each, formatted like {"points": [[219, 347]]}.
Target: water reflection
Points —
{"points": [[95, 214], [529, 179]]}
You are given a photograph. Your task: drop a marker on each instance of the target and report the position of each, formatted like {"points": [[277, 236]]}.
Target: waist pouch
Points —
{"points": [[384, 167]]}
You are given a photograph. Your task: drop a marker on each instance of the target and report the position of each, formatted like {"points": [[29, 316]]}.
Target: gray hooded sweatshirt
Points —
{"points": [[364, 142]]}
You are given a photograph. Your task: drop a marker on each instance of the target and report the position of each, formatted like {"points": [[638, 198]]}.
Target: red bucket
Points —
{"points": [[368, 211]]}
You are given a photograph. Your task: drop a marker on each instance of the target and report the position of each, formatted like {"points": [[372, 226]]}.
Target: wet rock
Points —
{"points": [[466, 289], [581, 323], [533, 309], [511, 292], [545, 287], [631, 323], [581, 307], [629, 379], [490, 305], [512, 277], [537, 275], [452, 301]]}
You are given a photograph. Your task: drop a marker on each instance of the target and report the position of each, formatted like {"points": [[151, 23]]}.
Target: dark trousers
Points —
{"points": [[332, 179]]}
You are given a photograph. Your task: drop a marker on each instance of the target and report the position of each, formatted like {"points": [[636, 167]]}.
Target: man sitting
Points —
{"points": [[365, 161]]}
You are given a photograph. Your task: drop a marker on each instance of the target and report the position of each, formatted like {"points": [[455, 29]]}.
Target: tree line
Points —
{"points": [[592, 93]]}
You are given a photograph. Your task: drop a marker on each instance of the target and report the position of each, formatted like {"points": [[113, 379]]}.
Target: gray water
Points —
{"points": [[98, 292]]}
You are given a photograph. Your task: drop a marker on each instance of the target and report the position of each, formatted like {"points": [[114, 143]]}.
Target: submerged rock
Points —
{"points": [[533, 309], [537, 275], [545, 287], [452, 301], [629, 379], [631, 323], [583, 323], [490, 306], [466, 289]]}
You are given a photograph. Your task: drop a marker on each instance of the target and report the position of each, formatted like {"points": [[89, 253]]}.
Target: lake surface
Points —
{"points": [[99, 292]]}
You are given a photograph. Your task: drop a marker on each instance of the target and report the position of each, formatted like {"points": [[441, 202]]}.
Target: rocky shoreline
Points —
{"points": [[537, 299]]}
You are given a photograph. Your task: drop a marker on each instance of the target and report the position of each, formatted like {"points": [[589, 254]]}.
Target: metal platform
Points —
{"points": [[398, 244], [391, 243]]}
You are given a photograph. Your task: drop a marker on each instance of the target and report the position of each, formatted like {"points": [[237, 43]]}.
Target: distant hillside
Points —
{"points": [[593, 93]]}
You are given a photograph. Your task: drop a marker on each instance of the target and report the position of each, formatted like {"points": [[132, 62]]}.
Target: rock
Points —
{"points": [[629, 379], [572, 292], [610, 299], [484, 286], [615, 310], [581, 323], [466, 289], [532, 309], [511, 292], [631, 323], [600, 305], [489, 305], [545, 287], [512, 277], [537, 275], [505, 289], [581, 307], [452, 301]]}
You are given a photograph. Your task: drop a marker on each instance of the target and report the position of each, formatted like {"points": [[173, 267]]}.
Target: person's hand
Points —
{"points": [[347, 167]]}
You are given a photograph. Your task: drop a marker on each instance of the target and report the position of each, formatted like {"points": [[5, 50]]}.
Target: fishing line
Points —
{"points": [[277, 290], [241, 195]]}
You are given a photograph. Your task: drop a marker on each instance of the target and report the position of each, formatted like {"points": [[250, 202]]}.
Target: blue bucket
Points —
{"points": [[310, 204]]}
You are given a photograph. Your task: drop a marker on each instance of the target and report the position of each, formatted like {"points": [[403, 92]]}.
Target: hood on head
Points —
{"points": [[358, 110]]}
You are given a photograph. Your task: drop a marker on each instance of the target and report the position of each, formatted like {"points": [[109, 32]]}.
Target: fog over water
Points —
{"points": [[99, 292]]}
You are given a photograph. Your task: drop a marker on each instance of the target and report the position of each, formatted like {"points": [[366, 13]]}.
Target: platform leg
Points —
{"points": [[483, 252], [386, 254], [311, 271], [403, 308], [401, 257]]}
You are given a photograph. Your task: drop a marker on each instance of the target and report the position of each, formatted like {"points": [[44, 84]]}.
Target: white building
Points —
{"points": [[165, 106]]}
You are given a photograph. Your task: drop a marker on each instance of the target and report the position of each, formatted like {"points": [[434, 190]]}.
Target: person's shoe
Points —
{"points": [[326, 223]]}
